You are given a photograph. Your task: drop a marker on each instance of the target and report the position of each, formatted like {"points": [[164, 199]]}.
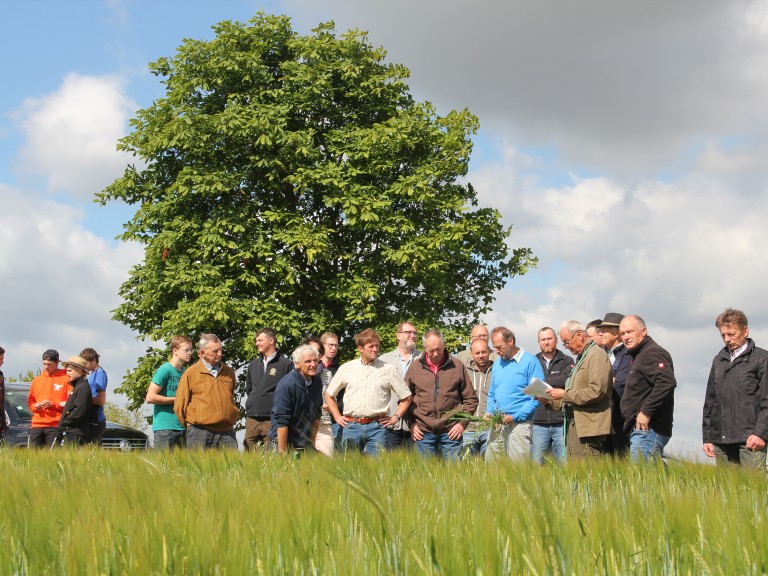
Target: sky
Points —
{"points": [[625, 143]]}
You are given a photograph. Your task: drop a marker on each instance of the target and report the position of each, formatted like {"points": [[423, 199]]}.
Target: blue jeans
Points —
{"points": [[369, 439], [646, 444], [547, 438], [432, 444], [474, 443]]}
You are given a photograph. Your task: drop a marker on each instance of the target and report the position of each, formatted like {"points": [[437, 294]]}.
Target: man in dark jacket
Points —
{"points": [[648, 402], [440, 384], [608, 330], [264, 372], [298, 403], [547, 432], [735, 423]]}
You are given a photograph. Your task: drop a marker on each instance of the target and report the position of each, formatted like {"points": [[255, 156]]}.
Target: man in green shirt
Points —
{"points": [[168, 431]]}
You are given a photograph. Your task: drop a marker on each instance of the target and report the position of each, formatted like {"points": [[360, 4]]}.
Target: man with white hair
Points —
{"points": [[587, 394], [298, 403]]}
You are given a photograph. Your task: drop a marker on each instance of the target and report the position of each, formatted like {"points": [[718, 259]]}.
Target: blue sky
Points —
{"points": [[625, 143]]}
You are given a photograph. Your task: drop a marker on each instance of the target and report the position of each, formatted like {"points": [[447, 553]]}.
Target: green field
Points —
{"points": [[91, 512]]}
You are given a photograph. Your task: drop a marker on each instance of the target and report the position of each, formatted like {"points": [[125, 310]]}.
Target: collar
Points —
{"points": [[210, 368]]}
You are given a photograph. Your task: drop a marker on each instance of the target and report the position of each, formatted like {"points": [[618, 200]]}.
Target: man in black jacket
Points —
{"points": [[735, 422], [648, 402], [618, 355], [547, 431], [264, 372]]}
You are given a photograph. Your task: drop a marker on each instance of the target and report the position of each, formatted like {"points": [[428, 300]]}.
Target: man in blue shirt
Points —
{"points": [[97, 379], [512, 371]]}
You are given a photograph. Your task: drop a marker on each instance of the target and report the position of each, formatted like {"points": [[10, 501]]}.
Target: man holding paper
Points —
{"points": [[587, 394]]}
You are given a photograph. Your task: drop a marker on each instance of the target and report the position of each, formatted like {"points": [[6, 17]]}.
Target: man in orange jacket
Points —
{"points": [[47, 396]]}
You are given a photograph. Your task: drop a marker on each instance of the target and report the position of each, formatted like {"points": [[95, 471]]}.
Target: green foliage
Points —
{"points": [[129, 418], [292, 181], [192, 513], [28, 377]]}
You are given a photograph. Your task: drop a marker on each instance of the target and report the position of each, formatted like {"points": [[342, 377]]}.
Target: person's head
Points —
{"points": [[503, 340], [91, 357], [573, 335], [734, 328], [181, 348], [331, 344], [480, 352], [406, 336], [210, 349], [479, 331], [632, 330], [76, 367], [547, 340], [50, 361], [591, 331], [2, 355], [305, 359], [368, 342], [316, 343], [265, 341], [434, 346], [608, 330]]}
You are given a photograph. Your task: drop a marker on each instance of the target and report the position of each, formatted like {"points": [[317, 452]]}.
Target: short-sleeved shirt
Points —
{"points": [[97, 380], [167, 377], [368, 388]]}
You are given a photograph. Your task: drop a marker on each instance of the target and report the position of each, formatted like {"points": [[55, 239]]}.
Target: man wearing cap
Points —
{"points": [[369, 385], [735, 419], [587, 395], [47, 395], [74, 428], [620, 360], [205, 399], [648, 402]]}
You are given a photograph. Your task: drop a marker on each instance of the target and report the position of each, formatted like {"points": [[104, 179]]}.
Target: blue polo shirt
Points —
{"points": [[508, 378]]}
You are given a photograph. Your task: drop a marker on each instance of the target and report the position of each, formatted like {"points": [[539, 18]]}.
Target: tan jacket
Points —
{"points": [[205, 400], [589, 394]]}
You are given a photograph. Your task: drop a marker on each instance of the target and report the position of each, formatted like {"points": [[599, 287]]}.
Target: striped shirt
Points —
{"points": [[368, 388]]}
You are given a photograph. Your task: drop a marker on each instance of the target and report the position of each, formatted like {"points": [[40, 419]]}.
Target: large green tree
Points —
{"points": [[292, 181]]}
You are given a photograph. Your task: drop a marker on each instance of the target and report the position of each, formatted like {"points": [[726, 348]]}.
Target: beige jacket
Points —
{"points": [[205, 400]]}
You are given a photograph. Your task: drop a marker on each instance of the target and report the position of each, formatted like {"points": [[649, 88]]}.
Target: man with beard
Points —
{"points": [[548, 433], [401, 358]]}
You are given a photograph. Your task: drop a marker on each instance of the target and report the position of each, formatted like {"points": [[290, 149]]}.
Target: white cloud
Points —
{"points": [[71, 134], [59, 283]]}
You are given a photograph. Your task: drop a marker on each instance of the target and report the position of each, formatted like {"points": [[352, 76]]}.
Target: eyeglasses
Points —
{"points": [[408, 332], [567, 342]]}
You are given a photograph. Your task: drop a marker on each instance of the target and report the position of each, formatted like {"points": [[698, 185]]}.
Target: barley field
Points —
{"points": [[88, 512]]}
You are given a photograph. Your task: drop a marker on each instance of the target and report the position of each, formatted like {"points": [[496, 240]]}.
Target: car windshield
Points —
{"points": [[18, 402]]}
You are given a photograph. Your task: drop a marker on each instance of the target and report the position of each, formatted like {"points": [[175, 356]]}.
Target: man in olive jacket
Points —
{"points": [[440, 384], [587, 394], [648, 401], [735, 422]]}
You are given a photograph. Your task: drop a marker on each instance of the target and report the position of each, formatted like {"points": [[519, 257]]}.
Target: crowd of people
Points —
{"points": [[613, 396]]}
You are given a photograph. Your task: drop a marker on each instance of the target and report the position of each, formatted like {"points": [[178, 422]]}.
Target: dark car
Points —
{"points": [[17, 411]]}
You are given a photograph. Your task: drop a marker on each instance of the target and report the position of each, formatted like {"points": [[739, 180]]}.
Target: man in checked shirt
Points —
{"points": [[369, 385]]}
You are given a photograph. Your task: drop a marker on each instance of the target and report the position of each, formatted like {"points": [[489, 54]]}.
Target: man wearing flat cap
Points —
{"points": [[608, 330], [47, 395]]}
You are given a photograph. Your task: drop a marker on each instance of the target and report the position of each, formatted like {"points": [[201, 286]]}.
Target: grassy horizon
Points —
{"points": [[90, 512]]}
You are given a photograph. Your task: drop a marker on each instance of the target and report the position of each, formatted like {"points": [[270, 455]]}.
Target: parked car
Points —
{"points": [[116, 437]]}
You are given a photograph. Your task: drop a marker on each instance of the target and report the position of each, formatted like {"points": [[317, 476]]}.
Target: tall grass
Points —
{"points": [[89, 512]]}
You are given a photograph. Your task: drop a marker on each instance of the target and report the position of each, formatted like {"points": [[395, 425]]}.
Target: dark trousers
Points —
{"points": [[739, 454], [204, 439], [42, 437], [256, 433], [588, 447], [97, 432]]}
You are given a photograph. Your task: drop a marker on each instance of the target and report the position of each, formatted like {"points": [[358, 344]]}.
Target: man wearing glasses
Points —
{"points": [[587, 394], [401, 357]]}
